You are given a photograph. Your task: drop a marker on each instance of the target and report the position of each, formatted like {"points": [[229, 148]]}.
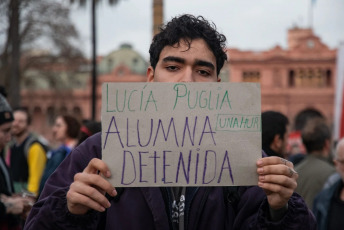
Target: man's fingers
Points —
{"points": [[76, 199], [94, 180], [274, 161], [278, 180], [81, 193], [97, 165], [277, 189], [278, 170]]}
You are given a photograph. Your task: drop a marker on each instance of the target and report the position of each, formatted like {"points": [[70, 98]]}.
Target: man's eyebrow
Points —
{"points": [[205, 63], [182, 61], [173, 59]]}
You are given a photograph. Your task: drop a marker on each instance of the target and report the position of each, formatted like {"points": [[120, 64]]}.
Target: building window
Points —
{"points": [[63, 110], [251, 76], [310, 78], [328, 78], [291, 78]]}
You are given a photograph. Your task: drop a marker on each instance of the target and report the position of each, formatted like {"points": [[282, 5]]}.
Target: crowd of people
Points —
{"points": [[64, 187], [27, 159]]}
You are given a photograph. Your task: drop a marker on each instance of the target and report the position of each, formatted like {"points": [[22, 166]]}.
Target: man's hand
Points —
{"points": [[14, 205], [89, 188], [278, 179]]}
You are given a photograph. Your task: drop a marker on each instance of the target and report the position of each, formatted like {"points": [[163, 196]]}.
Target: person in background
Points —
{"points": [[274, 133], [88, 129], [26, 153], [295, 149], [11, 207], [66, 131], [315, 169], [77, 196], [328, 205]]}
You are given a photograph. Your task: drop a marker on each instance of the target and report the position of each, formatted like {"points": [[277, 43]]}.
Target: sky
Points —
{"points": [[248, 24]]}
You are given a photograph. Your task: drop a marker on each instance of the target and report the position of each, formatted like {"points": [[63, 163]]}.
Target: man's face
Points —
{"points": [[180, 64], [279, 144], [339, 161], [60, 129], [285, 141], [5, 134], [20, 124]]}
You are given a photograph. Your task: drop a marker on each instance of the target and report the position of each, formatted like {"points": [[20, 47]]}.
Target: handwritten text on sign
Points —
{"points": [[181, 134]]}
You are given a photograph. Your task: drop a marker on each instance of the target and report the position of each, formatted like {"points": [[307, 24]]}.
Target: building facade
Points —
{"points": [[293, 79], [299, 77], [66, 89]]}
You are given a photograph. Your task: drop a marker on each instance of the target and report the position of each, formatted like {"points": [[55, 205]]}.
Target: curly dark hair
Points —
{"points": [[187, 28]]}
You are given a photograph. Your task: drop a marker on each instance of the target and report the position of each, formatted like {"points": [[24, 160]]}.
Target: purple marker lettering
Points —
{"points": [[155, 157], [113, 120], [205, 166], [164, 167], [186, 126], [141, 166], [138, 133], [186, 172], [124, 166], [207, 122], [226, 159], [160, 124], [196, 168]]}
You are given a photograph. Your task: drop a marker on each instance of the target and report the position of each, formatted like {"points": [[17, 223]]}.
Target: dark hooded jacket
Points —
{"points": [[149, 208]]}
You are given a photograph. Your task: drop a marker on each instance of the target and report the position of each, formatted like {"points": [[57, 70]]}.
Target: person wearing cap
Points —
{"points": [[11, 207]]}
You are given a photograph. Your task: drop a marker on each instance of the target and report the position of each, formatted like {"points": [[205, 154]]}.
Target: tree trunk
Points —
{"points": [[14, 89]]}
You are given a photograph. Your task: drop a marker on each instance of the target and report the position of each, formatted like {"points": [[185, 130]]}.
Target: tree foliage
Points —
{"points": [[43, 25]]}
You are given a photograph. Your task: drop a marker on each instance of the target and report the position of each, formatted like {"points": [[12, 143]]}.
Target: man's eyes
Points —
{"points": [[171, 68], [204, 72]]}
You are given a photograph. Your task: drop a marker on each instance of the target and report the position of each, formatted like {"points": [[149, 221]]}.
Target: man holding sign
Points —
{"points": [[77, 195]]}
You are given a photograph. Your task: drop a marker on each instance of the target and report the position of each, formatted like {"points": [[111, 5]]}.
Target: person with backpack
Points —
{"points": [[77, 196], [27, 154]]}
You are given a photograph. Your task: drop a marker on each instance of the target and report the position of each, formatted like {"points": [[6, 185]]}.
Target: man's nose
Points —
{"points": [[187, 75]]}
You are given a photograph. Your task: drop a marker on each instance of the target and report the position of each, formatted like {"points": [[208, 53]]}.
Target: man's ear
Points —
{"points": [[327, 147], [276, 143], [150, 74]]}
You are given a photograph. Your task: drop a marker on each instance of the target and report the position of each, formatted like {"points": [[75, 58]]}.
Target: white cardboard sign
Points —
{"points": [[181, 134]]}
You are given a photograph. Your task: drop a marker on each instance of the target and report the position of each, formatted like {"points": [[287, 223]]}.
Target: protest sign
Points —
{"points": [[181, 134]]}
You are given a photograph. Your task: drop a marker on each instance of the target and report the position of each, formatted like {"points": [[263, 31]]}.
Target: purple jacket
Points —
{"points": [[148, 208]]}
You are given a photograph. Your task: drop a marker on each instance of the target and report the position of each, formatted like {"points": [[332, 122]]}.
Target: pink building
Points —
{"points": [[301, 76]]}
